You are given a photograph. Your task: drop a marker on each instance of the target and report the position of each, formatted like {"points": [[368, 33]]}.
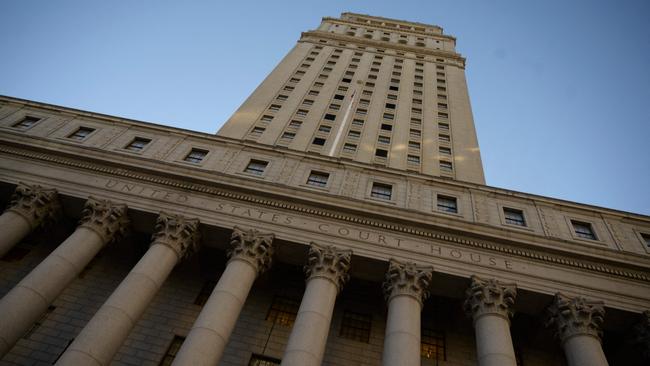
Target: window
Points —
{"points": [[206, 291], [389, 116], [417, 101], [172, 350], [196, 155], [318, 179], [390, 105], [302, 112], [416, 110], [324, 128], [357, 122], [392, 97], [381, 153], [266, 118], [445, 150], [446, 166], [355, 326], [256, 167], [257, 130], [433, 345], [294, 80], [354, 134], [393, 88], [283, 311], [414, 145], [313, 92], [415, 133], [447, 204], [443, 126], [346, 80], [288, 88], [288, 135], [514, 216], [361, 111], [275, 107], [583, 230], [137, 144], [81, 133], [386, 127], [307, 102], [295, 124], [338, 96], [259, 360], [318, 141], [444, 138], [330, 117], [413, 159], [281, 97], [26, 122], [443, 115], [335, 107], [318, 84], [349, 148], [364, 102], [383, 140]]}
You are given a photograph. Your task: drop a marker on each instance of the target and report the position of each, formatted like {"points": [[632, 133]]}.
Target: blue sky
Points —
{"points": [[560, 89]]}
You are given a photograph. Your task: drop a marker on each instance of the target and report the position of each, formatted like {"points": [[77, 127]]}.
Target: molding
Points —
{"points": [[383, 27], [554, 259]]}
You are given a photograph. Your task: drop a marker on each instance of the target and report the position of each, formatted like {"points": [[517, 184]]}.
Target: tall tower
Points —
{"points": [[371, 89]]}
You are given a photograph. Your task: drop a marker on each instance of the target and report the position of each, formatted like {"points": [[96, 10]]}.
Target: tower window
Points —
{"points": [[324, 128], [354, 134], [330, 117], [446, 166], [196, 155], [514, 216], [413, 159], [256, 167], [386, 127], [583, 230], [81, 133], [349, 148], [646, 239], [447, 204], [382, 191], [137, 144], [414, 145], [257, 131], [318, 179], [319, 141], [445, 150], [288, 135], [383, 139], [381, 153]]}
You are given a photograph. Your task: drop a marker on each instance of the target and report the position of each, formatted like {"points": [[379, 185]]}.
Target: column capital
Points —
{"points": [[253, 247], [576, 316], [489, 296], [407, 279], [39, 206], [107, 219], [179, 233], [642, 333], [328, 262]]}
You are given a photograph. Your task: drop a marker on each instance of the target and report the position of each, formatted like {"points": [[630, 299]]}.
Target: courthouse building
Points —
{"points": [[339, 217]]}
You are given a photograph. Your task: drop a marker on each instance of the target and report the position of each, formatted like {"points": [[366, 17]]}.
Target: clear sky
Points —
{"points": [[560, 89]]}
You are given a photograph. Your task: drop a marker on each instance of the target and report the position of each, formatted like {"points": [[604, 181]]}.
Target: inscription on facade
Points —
{"points": [[307, 223]]}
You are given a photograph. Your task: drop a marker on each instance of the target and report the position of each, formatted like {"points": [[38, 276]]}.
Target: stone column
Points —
{"points": [[250, 255], [29, 208], [577, 323], [489, 303], [327, 272], [175, 237], [405, 288], [102, 222], [642, 334]]}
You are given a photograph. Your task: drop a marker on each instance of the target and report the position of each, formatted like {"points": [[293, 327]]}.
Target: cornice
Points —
{"points": [[555, 259], [383, 44]]}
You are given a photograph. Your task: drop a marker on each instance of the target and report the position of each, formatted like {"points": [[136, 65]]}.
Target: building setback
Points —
{"points": [[339, 217]]}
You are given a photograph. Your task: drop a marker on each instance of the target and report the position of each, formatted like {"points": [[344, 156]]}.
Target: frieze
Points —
{"points": [[448, 238]]}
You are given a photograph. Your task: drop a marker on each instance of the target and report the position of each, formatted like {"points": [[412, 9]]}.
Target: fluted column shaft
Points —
{"points": [[327, 272], [489, 304], [578, 324], [25, 303], [30, 207], [206, 341], [405, 288], [104, 334]]}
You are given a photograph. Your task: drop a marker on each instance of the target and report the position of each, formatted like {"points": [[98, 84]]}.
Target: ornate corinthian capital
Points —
{"points": [[107, 219], [328, 262], [575, 316], [489, 296], [36, 204], [642, 334], [253, 247], [177, 232], [407, 278]]}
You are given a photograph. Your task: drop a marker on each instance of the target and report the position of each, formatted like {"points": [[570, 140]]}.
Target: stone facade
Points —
{"points": [[170, 246]]}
